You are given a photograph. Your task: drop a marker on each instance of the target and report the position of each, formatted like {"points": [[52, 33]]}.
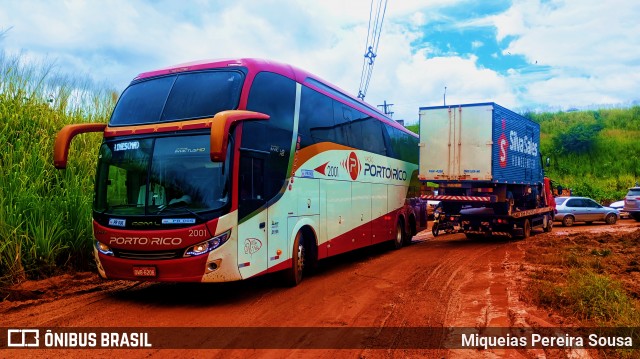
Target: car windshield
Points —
{"points": [[147, 176], [634, 192]]}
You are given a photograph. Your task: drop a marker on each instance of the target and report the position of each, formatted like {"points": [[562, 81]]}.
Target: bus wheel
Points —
{"points": [[399, 238], [294, 274]]}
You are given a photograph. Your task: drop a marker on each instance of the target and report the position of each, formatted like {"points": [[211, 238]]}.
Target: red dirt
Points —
{"points": [[448, 281]]}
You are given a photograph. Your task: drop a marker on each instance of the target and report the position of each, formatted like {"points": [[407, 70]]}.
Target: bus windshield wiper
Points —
{"points": [[126, 205], [183, 207]]}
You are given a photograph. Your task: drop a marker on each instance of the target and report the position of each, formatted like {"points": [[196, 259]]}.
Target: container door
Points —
{"points": [[472, 146], [435, 141]]}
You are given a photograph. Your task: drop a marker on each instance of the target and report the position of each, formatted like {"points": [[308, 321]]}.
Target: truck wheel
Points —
{"points": [[567, 221], [611, 218], [435, 230], [526, 229], [293, 275], [399, 239], [549, 225], [412, 231]]}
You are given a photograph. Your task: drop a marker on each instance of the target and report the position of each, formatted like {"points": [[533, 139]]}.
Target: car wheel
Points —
{"points": [[611, 218], [568, 221]]}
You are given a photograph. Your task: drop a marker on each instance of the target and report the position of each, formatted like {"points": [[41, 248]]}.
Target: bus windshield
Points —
{"points": [[178, 97], [160, 175]]}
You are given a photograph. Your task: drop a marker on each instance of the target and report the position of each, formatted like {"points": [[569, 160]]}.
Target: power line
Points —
{"points": [[371, 46]]}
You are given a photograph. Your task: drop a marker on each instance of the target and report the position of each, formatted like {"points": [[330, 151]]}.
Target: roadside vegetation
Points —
{"points": [[589, 277], [594, 153], [45, 214]]}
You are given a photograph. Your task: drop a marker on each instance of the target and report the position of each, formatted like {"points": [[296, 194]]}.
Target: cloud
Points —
{"points": [[587, 44], [577, 51]]}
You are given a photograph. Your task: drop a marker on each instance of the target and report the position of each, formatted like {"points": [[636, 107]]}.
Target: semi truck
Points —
{"points": [[485, 160]]}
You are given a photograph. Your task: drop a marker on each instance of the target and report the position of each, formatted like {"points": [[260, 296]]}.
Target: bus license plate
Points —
{"points": [[144, 271]]}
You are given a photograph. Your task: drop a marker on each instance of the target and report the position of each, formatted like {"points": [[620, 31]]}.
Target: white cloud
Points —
{"points": [[586, 51], [587, 44]]}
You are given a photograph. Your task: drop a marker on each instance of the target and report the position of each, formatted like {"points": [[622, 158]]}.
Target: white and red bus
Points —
{"points": [[224, 170]]}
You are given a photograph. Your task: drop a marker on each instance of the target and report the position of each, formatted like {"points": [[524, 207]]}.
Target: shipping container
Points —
{"points": [[485, 160], [479, 142]]}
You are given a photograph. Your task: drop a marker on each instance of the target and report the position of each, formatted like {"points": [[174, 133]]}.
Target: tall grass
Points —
{"points": [[45, 214]]}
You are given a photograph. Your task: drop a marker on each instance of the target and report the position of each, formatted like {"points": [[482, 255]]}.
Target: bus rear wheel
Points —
{"points": [[293, 275], [398, 241]]}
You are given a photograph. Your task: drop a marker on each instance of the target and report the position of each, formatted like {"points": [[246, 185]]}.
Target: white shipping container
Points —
{"points": [[456, 143]]}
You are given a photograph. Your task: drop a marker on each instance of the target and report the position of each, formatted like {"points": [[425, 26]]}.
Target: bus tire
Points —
{"points": [[398, 240], [293, 275]]}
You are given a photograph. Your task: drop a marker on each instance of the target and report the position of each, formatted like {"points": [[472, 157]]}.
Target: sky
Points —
{"points": [[526, 55]]}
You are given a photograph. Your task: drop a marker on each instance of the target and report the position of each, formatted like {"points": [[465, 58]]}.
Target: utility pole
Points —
{"points": [[444, 97], [386, 108]]}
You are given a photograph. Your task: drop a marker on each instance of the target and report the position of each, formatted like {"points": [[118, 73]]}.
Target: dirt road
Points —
{"points": [[447, 281]]}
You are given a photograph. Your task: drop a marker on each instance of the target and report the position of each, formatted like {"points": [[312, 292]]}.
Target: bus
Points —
{"points": [[223, 170]]}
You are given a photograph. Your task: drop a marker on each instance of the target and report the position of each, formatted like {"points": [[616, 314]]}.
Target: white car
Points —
{"points": [[619, 205]]}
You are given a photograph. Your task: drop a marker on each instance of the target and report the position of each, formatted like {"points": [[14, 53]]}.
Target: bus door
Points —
{"points": [[253, 221]]}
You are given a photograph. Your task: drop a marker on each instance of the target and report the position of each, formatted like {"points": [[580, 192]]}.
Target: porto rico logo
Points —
{"points": [[352, 165]]}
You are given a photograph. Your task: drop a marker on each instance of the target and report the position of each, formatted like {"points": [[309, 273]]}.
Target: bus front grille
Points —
{"points": [[148, 255]]}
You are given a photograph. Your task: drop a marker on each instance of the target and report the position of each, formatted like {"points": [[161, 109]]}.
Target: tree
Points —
{"points": [[580, 138]]}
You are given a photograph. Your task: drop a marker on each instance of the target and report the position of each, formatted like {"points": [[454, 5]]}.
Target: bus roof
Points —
{"points": [[256, 65]]}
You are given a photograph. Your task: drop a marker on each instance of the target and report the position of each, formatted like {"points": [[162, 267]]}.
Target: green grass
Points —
{"points": [[45, 214]]}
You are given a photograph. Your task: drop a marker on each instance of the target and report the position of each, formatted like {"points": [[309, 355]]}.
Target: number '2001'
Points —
{"points": [[332, 171], [198, 233]]}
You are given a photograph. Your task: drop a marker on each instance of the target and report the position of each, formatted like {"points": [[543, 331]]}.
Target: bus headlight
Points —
{"points": [[208, 245], [103, 248]]}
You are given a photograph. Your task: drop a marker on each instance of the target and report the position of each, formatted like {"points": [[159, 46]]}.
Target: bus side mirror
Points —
{"points": [[220, 126], [64, 137]]}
